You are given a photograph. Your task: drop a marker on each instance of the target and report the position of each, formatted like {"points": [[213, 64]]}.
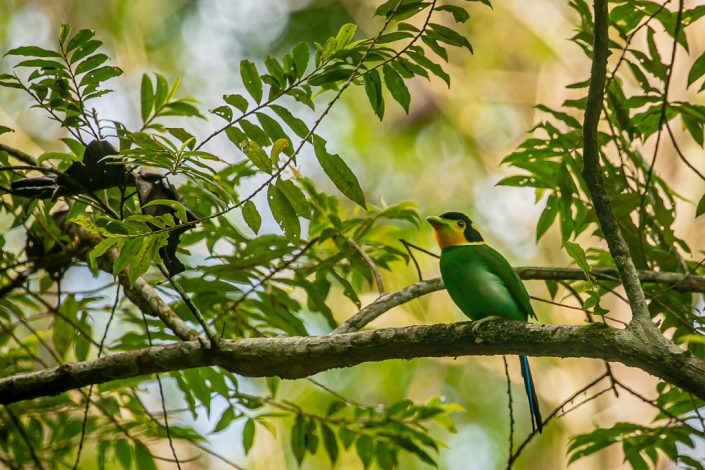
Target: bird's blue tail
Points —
{"points": [[536, 421]]}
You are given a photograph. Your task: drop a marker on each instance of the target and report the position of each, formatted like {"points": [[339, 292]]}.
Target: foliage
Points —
{"points": [[280, 247], [637, 116], [247, 287]]}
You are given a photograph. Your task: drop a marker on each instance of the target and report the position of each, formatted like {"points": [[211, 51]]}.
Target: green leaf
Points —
{"points": [[99, 75], [578, 254], [548, 216], [62, 331], [91, 63], [373, 89], [32, 51], [144, 256], [99, 250], [283, 213], [429, 65], [700, 210], [697, 70], [329, 442], [397, 87], [298, 439], [5, 129], [296, 124], [345, 34], [459, 14], [85, 50], [162, 92], [365, 450], [257, 156], [143, 457], [123, 451], [248, 435], [449, 36], [301, 54], [251, 79], [339, 173], [238, 101], [280, 145], [64, 33], [295, 197], [225, 419], [79, 39], [64, 157], [273, 385], [255, 133], [251, 216], [146, 97]]}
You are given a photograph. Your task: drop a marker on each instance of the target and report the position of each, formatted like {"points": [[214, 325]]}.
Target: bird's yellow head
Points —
{"points": [[453, 229]]}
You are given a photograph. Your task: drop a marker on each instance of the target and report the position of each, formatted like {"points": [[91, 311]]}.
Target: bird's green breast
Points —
{"points": [[482, 283]]}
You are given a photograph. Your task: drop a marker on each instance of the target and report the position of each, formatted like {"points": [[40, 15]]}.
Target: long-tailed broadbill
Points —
{"points": [[483, 284]]}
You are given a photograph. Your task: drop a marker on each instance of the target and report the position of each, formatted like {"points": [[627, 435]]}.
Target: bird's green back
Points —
{"points": [[482, 283]]}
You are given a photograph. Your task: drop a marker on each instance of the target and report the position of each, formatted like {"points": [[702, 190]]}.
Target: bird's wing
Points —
{"points": [[498, 265]]}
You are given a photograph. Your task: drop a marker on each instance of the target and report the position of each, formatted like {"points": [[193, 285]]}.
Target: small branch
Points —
{"points": [[662, 120], [509, 406], [210, 333], [25, 438], [683, 282], [90, 389], [387, 302], [555, 412], [18, 154]]}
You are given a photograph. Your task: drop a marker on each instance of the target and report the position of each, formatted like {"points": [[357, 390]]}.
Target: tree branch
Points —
{"points": [[141, 293], [683, 282], [594, 179], [297, 357], [18, 154]]}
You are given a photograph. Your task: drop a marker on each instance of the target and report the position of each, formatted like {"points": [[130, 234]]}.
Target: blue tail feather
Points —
{"points": [[536, 420]]}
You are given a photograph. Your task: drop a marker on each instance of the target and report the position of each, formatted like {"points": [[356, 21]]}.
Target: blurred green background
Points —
{"points": [[445, 154]]}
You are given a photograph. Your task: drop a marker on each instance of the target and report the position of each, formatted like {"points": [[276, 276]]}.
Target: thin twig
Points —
{"points": [[161, 395], [509, 405], [677, 148], [210, 333], [90, 389], [368, 261], [662, 121], [265, 279], [553, 414], [25, 438], [18, 154]]}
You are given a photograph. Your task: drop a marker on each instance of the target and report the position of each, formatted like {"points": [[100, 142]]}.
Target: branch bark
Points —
{"points": [[297, 357], [676, 281]]}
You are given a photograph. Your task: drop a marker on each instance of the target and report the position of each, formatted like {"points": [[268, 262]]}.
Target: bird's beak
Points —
{"points": [[436, 222]]}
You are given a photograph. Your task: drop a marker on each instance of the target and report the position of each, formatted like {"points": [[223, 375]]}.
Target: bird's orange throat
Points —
{"points": [[447, 238]]}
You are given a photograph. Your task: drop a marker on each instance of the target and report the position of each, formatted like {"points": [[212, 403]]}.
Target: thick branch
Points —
{"points": [[593, 174], [297, 357], [676, 281]]}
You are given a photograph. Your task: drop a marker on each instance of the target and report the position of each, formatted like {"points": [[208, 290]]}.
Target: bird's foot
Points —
{"points": [[479, 322]]}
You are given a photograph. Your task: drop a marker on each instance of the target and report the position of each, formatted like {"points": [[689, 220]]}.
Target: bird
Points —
{"points": [[483, 285]]}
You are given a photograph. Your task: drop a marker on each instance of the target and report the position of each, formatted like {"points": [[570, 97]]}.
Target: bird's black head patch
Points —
{"points": [[470, 232]]}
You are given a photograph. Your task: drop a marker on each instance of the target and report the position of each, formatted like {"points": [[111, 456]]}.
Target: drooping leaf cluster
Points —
{"points": [[258, 279]]}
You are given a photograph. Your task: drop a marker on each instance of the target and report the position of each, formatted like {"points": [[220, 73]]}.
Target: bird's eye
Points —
{"points": [[461, 224]]}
